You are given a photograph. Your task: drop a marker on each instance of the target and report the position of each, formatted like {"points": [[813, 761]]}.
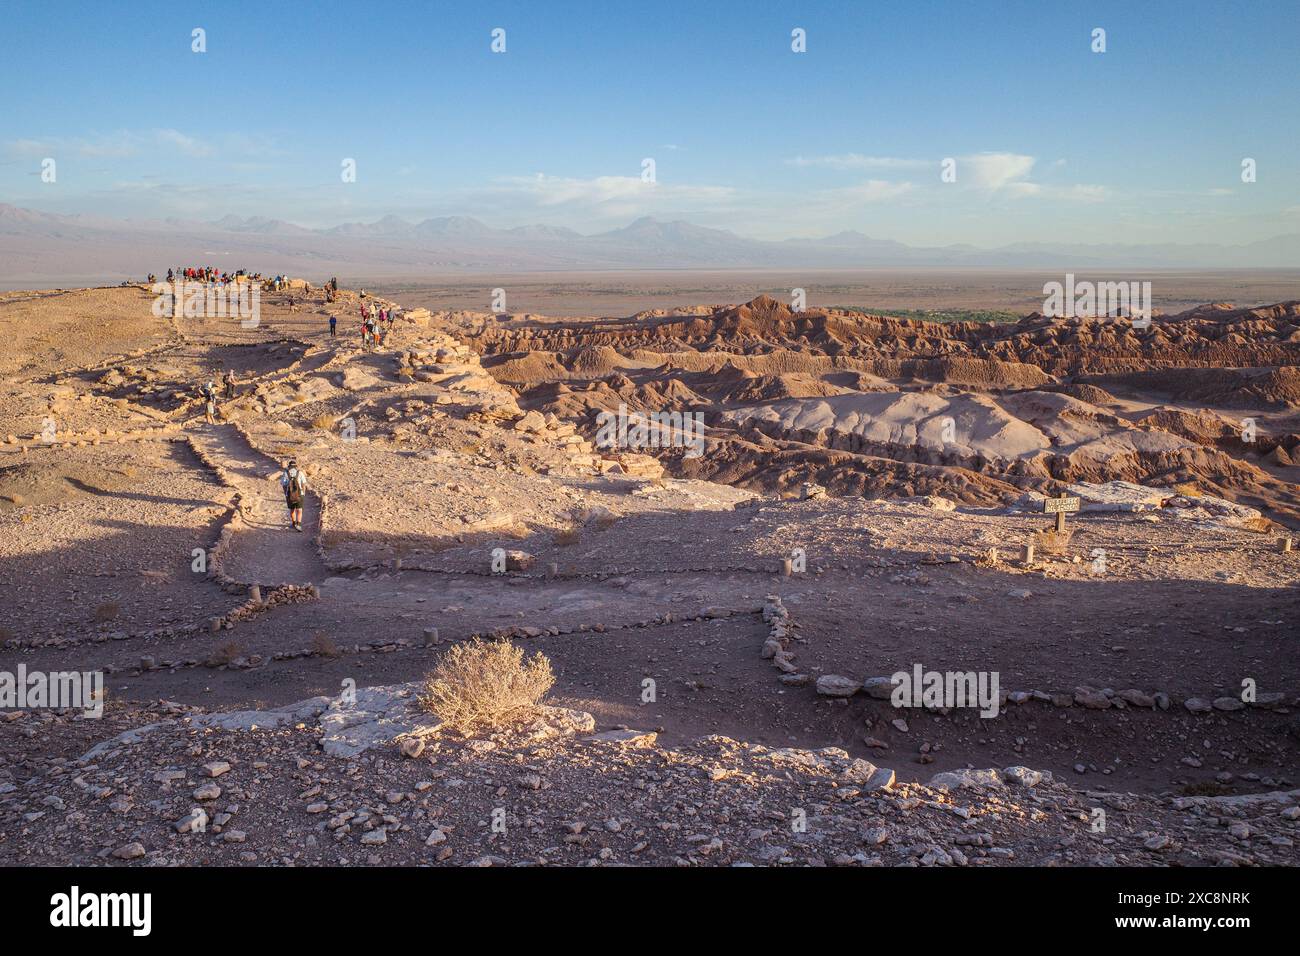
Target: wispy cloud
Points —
{"points": [[858, 161], [548, 191], [996, 171], [873, 190], [122, 144], [1004, 174]]}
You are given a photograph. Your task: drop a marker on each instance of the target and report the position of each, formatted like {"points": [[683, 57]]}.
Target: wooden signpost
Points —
{"points": [[1060, 507]]}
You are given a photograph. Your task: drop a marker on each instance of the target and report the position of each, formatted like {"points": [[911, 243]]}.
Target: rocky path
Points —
{"points": [[265, 549]]}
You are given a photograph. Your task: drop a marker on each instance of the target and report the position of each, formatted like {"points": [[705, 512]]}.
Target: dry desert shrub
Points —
{"points": [[1051, 541], [324, 422], [227, 653], [322, 645], [1205, 788], [106, 612], [604, 521], [566, 537], [486, 683], [1188, 489]]}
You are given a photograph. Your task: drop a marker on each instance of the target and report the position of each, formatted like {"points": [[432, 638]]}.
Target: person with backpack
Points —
{"points": [[210, 403], [294, 483]]}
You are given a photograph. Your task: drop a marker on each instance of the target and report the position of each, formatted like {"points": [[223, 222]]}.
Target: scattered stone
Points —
{"points": [[833, 685]]}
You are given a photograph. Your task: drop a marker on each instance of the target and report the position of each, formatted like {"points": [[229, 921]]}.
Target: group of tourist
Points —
{"points": [[204, 274], [376, 323]]}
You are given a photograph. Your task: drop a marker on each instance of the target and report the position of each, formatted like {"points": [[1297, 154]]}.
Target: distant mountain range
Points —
{"points": [[42, 248]]}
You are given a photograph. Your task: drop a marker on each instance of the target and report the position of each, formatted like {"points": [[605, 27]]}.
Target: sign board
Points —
{"points": [[1053, 506]]}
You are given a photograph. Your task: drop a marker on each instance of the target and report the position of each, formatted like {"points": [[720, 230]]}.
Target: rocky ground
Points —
{"points": [[455, 494], [373, 781]]}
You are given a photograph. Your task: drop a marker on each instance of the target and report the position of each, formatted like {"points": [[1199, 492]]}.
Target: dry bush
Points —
{"points": [[1205, 788], [1260, 525], [106, 612], [486, 683], [323, 421], [566, 536], [604, 521], [322, 645], [1051, 541], [1188, 489], [227, 653]]}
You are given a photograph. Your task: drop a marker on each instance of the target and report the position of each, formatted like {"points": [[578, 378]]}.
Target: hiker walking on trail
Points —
{"points": [[210, 403], [334, 321], [229, 381], [294, 483]]}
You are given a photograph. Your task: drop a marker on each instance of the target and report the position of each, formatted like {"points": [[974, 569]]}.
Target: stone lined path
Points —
{"points": [[264, 549]]}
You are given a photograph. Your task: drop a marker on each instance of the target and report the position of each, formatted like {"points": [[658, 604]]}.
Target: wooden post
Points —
{"points": [[1027, 554], [1059, 507], [787, 567], [1284, 545]]}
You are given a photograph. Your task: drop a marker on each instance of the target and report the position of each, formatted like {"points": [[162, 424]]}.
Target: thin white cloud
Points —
{"points": [[1084, 192], [186, 144], [858, 161], [28, 148], [122, 144], [996, 171], [547, 191], [873, 190]]}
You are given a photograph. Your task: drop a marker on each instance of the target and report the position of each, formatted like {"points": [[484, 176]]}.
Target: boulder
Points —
{"points": [[833, 685], [967, 779]]}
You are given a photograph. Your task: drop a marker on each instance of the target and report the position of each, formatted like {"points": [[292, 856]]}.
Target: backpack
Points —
{"points": [[293, 488]]}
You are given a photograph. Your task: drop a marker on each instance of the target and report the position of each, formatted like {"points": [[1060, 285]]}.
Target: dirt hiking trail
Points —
{"points": [[266, 550]]}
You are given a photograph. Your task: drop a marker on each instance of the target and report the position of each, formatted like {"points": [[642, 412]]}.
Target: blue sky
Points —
{"points": [[1141, 143]]}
